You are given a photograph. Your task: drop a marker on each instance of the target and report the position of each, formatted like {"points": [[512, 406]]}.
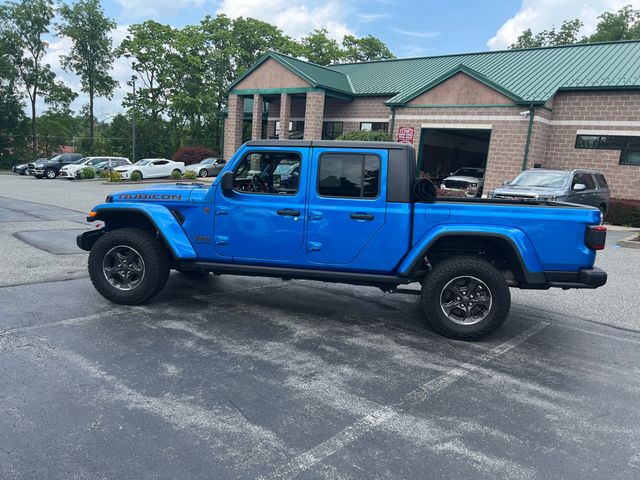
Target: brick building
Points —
{"points": [[575, 106]]}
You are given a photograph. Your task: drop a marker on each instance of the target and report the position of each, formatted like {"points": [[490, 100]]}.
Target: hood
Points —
{"points": [[165, 193], [462, 178], [528, 190]]}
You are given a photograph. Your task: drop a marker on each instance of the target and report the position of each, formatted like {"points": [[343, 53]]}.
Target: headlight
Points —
{"points": [[474, 185]]}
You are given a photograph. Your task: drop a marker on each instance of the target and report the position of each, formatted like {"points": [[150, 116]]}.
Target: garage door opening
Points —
{"points": [[444, 152]]}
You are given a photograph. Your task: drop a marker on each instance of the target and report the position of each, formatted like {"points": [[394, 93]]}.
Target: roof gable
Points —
{"points": [[460, 85]]}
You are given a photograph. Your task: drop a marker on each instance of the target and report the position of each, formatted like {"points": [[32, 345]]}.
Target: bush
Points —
{"points": [[367, 136], [105, 174], [191, 155], [190, 174], [176, 175], [114, 176], [135, 176], [87, 173], [624, 212]]}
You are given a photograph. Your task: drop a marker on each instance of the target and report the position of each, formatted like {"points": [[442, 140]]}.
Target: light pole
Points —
{"points": [[133, 122]]}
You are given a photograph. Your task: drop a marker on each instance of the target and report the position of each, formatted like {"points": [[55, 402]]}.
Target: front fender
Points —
{"points": [[160, 217], [519, 241]]}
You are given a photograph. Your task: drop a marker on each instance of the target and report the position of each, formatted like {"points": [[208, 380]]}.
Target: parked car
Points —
{"points": [[72, 171], [209, 167], [110, 164], [151, 168], [467, 179], [586, 187], [23, 169], [43, 168], [356, 216]]}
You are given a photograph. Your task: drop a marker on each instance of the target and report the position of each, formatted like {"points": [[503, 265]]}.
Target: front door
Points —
{"points": [[263, 217], [347, 204]]}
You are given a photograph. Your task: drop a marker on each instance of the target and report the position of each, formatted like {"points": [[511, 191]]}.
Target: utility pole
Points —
{"points": [[133, 122]]}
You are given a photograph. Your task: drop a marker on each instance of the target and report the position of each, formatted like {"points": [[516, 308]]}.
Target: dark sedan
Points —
{"points": [[23, 169]]}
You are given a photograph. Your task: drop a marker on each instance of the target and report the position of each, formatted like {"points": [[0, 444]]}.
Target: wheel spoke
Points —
{"points": [[123, 267], [466, 300]]}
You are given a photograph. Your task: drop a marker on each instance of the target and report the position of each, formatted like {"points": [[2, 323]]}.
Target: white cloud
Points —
{"points": [[411, 33], [294, 18], [541, 14]]}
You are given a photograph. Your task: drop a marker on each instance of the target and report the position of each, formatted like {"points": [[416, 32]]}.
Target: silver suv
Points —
{"points": [[587, 187]]}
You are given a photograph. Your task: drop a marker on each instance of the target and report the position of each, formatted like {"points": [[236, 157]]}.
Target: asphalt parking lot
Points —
{"points": [[237, 377]]}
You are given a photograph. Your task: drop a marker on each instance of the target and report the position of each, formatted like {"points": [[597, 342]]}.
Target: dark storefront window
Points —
{"points": [[331, 130], [628, 145], [384, 126]]}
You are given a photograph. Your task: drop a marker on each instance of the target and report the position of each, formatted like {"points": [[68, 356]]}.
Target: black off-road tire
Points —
{"points": [[462, 267], [156, 265]]}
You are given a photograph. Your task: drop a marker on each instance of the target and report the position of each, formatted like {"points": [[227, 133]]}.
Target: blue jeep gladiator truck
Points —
{"points": [[346, 212]]}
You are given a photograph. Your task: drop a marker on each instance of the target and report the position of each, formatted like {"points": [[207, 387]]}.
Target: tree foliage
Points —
{"points": [[367, 136], [612, 26], [92, 55]]}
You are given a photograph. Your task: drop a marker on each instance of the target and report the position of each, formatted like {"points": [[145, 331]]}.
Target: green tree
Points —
{"points": [[25, 25], [11, 107], [91, 56], [318, 48], [566, 34], [365, 49], [621, 25], [148, 45]]}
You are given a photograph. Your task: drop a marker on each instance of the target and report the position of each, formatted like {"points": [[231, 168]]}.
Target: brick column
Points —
{"points": [[285, 115], [256, 119], [313, 114], [233, 125]]}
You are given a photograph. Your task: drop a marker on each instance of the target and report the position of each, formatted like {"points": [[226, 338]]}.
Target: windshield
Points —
{"points": [[286, 167], [208, 161], [541, 179], [142, 162], [469, 172], [56, 158]]}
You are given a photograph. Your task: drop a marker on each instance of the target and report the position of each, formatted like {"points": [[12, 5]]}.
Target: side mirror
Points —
{"points": [[226, 182], [578, 187], [506, 182]]}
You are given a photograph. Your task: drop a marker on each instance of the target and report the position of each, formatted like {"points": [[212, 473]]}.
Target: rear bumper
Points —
{"points": [[584, 278]]}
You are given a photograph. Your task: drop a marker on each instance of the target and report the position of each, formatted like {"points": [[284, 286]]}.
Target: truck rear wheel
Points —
{"points": [[128, 266], [465, 298]]}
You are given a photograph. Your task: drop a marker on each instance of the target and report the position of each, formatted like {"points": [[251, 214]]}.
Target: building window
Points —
{"points": [[349, 175], [331, 130], [628, 145], [296, 130], [368, 126]]}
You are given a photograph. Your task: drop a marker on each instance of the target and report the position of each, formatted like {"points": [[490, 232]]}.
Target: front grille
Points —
{"points": [[461, 184], [31, 166]]}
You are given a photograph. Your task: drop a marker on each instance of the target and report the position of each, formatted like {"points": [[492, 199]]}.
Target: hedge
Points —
{"points": [[191, 155], [366, 136], [624, 212]]}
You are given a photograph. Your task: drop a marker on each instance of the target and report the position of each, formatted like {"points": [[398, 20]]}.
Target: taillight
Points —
{"points": [[596, 237]]}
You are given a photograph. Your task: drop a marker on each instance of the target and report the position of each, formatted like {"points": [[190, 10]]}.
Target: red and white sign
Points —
{"points": [[405, 134]]}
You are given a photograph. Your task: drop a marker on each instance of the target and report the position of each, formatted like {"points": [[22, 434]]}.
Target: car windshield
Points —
{"points": [[208, 161], [56, 158], [142, 162], [286, 167], [541, 179], [469, 172]]}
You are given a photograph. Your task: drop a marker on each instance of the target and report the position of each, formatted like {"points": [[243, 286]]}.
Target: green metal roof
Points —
{"points": [[530, 75]]}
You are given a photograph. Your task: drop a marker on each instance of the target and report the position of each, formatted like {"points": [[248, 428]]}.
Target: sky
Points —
{"points": [[410, 28]]}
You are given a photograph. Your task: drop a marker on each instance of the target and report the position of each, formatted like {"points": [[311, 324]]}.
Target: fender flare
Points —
{"points": [[161, 218], [522, 247]]}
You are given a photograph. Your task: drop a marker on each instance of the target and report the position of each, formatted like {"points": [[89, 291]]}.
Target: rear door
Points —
{"points": [[347, 203]]}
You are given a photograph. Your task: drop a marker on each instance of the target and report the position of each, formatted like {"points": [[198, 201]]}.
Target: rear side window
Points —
{"points": [[601, 182], [349, 175]]}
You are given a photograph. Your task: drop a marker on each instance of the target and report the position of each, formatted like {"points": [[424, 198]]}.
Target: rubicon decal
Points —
{"points": [[150, 196]]}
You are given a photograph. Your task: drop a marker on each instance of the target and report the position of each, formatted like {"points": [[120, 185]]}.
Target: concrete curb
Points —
{"points": [[629, 242]]}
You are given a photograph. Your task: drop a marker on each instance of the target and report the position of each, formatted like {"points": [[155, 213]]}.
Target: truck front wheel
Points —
{"points": [[465, 298], [128, 266]]}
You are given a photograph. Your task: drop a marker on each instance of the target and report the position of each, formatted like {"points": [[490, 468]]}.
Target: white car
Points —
{"points": [[466, 179], [72, 170], [151, 168]]}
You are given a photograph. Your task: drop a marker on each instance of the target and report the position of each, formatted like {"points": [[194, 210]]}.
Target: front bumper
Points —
{"points": [[583, 278]]}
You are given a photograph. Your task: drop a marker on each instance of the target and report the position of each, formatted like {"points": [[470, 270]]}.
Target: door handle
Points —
{"points": [[361, 216], [287, 212]]}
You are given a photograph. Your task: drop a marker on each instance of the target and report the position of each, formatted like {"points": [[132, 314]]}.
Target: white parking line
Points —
{"points": [[354, 431]]}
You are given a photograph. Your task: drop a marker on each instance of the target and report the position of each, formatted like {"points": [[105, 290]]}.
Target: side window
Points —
{"points": [[601, 183], [349, 175], [585, 179], [160, 162], [276, 173]]}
